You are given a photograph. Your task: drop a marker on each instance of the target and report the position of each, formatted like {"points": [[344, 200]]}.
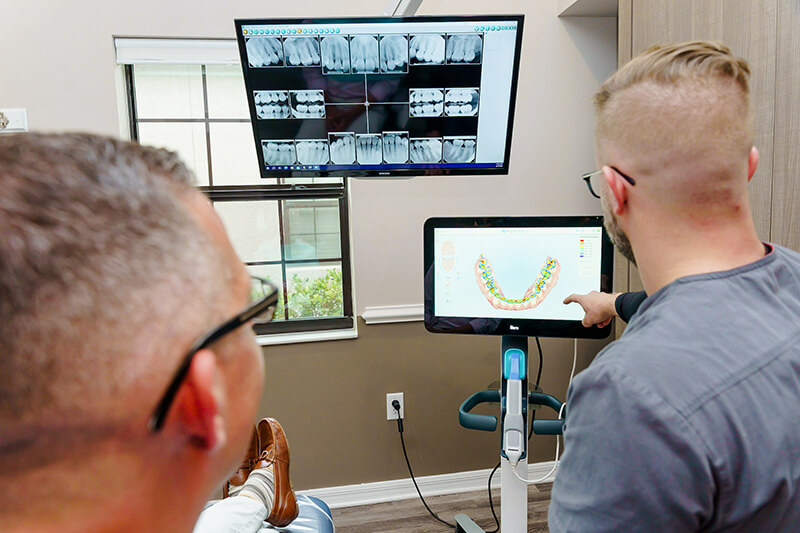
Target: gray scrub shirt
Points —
{"points": [[691, 420]]}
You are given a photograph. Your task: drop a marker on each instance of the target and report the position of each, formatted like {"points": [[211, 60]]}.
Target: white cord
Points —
{"points": [[574, 360], [555, 465], [560, 415]]}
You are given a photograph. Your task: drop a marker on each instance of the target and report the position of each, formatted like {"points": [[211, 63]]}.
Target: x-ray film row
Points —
{"points": [[365, 54], [289, 104], [348, 148], [453, 102]]}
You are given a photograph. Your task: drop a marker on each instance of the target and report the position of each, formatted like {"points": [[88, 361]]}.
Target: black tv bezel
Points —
{"points": [[524, 327], [378, 173]]}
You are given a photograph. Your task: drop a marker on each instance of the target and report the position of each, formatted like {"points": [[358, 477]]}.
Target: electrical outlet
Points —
{"points": [[13, 120], [391, 414]]}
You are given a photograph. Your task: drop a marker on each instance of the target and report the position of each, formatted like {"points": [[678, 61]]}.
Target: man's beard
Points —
{"points": [[618, 236]]}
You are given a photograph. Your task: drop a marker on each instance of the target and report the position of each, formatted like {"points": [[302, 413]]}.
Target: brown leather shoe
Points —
{"points": [[240, 476], [275, 452]]}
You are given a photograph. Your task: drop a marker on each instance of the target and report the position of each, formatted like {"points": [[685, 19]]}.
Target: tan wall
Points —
{"points": [[331, 397]]}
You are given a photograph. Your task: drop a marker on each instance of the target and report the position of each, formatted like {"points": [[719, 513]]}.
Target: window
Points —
{"points": [[292, 231]]}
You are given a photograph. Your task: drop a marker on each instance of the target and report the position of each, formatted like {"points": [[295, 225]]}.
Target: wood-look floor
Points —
{"points": [[409, 516]]}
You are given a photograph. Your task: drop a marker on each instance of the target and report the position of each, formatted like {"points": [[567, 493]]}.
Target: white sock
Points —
{"points": [[233, 490], [260, 485]]}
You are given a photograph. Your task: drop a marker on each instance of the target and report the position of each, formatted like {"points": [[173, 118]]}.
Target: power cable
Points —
{"points": [[396, 406]]}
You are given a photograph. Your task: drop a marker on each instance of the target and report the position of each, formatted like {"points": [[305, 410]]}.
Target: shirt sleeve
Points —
{"points": [[632, 463], [628, 303]]}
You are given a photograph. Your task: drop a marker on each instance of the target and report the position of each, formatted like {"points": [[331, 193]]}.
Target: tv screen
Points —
{"points": [[510, 275], [381, 96]]}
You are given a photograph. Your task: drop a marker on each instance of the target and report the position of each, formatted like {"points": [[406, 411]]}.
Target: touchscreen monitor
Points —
{"points": [[510, 275]]}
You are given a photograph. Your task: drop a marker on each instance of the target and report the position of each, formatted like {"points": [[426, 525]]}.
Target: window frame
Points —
{"points": [[280, 192]]}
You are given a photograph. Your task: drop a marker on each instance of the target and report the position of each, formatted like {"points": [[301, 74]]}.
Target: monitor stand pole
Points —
{"points": [[514, 400]]}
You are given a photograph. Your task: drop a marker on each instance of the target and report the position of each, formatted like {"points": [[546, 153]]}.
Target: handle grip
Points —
{"points": [[545, 426], [540, 398], [548, 427], [480, 422]]}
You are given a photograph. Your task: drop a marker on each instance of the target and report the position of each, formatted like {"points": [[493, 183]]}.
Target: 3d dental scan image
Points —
{"points": [[425, 102], [381, 96], [426, 150], [301, 51], [368, 149], [264, 52], [394, 53], [335, 54], [461, 102], [459, 149], [464, 48], [312, 152], [343, 148], [395, 146], [272, 104], [426, 49], [364, 53], [279, 152]]}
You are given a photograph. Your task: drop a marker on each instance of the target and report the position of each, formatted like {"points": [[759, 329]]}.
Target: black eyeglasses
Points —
{"points": [[588, 178], [263, 299]]}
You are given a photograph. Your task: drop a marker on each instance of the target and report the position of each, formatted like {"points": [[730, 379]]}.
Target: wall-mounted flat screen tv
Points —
{"points": [[381, 97]]}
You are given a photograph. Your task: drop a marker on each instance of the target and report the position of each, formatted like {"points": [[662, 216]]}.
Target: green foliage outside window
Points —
{"points": [[316, 297]]}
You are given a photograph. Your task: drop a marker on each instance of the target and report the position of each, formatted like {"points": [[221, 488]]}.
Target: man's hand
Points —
{"points": [[598, 306]]}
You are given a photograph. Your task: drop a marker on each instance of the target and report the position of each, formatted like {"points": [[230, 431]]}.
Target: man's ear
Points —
{"points": [[619, 193], [752, 162], [200, 401]]}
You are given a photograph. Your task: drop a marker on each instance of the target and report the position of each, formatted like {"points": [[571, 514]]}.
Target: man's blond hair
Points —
{"points": [[678, 101]]}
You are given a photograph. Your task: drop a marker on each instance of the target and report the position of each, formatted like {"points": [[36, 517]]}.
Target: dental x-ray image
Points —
{"points": [[464, 48], [301, 51], [335, 52], [264, 51], [312, 152], [394, 53], [278, 152], [368, 149], [308, 104], [395, 146], [364, 53], [426, 150], [343, 148], [272, 104], [425, 102], [459, 149], [426, 49], [460, 102]]}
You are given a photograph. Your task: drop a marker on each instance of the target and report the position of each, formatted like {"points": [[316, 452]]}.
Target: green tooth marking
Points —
{"points": [[488, 278]]}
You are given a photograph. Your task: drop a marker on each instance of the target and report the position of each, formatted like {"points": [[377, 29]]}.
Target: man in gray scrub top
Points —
{"points": [[688, 422]]}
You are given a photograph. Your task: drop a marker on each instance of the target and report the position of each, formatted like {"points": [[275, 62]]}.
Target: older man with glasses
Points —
{"points": [[130, 377]]}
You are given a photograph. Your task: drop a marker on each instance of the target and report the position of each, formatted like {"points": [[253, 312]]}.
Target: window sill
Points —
{"points": [[306, 336]]}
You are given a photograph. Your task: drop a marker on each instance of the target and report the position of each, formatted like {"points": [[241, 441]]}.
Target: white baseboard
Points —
{"points": [[402, 489], [393, 313]]}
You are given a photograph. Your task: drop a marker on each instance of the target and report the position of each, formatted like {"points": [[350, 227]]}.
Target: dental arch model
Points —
{"points": [[536, 293]]}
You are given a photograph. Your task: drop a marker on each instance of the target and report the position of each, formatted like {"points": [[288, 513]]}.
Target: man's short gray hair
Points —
{"points": [[97, 249]]}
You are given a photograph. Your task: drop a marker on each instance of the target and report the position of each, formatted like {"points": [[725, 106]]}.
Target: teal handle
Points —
{"points": [[548, 427], [481, 422], [545, 426], [540, 398]]}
